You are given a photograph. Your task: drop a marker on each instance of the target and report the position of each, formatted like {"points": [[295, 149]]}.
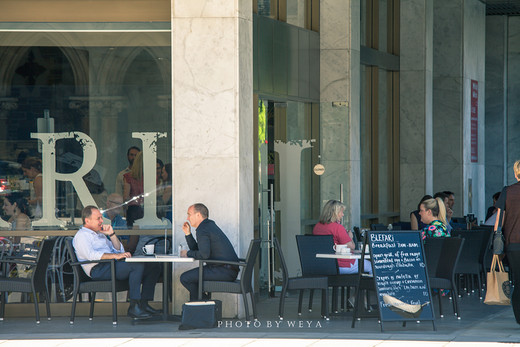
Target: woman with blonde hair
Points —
{"points": [[433, 213], [330, 224]]}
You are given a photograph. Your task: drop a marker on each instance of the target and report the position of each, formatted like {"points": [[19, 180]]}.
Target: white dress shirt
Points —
{"points": [[90, 245]]}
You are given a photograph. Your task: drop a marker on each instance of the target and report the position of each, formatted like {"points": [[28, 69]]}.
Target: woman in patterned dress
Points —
{"points": [[433, 213]]}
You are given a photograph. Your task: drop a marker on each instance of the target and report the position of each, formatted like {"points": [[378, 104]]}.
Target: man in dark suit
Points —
{"points": [[211, 243]]}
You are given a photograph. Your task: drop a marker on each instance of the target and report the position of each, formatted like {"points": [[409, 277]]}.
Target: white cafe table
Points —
{"points": [[342, 255], [161, 258]]}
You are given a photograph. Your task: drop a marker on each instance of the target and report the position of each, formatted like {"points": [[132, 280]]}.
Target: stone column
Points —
{"points": [[416, 90], [496, 105], [212, 110], [339, 104], [459, 55]]}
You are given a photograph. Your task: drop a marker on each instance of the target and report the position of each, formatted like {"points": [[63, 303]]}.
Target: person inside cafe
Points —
{"points": [[330, 224], [17, 209], [114, 212], [433, 213], [32, 169], [165, 199], [96, 241], [134, 191], [131, 153], [211, 243], [509, 203], [415, 218]]}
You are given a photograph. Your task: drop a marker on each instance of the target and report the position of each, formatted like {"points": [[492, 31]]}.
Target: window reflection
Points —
{"points": [[107, 90]]}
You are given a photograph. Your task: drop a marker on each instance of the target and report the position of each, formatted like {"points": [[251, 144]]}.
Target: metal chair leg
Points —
{"points": [[36, 308]]}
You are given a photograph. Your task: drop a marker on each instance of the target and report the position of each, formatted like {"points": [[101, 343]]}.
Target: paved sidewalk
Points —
{"points": [[481, 325]]}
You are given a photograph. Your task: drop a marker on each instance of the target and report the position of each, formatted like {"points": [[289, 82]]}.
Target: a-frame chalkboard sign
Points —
{"points": [[400, 276]]}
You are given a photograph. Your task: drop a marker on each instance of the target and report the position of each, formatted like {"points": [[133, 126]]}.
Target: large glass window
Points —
{"points": [[379, 112], [300, 13], [73, 103]]}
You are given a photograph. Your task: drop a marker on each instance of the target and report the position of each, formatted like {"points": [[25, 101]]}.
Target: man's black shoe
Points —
{"points": [[135, 311], [147, 308]]}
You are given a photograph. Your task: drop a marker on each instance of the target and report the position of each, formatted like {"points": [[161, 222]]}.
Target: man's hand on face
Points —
{"points": [[106, 229], [186, 228]]}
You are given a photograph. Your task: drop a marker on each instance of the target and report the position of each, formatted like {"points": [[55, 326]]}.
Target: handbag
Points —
{"points": [[498, 286], [498, 237], [201, 314]]}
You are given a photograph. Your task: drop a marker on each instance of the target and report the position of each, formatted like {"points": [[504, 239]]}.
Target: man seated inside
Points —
{"points": [[114, 212], [212, 244], [95, 241]]}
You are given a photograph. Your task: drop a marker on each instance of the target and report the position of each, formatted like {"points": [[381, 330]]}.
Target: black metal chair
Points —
{"points": [[308, 247], [239, 286], [35, 284], [301, 283], [445, 270], [59, 271], [432, 253], [378, 227], [469, 261], [85, 284]]}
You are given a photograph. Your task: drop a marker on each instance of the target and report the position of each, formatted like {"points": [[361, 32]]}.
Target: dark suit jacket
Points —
{"points": [[211, 243]]}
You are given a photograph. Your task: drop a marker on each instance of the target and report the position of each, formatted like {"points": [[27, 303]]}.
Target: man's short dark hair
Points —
{"points": [[202, 209], [87, 212], [448, 193], [133, 147], [160, 162], [441, 195]]}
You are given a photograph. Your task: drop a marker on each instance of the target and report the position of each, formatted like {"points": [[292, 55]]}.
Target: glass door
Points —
{"points": [[288, 190]]}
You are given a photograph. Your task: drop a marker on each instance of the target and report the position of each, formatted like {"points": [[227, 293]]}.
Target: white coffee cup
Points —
{"points": [[149, 249], [341, 249]]}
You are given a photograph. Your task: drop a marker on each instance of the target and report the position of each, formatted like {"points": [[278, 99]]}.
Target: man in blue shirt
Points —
{"points": [[91, 243]]}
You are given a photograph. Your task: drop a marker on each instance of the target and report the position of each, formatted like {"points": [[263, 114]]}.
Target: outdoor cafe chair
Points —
{"points": [[308, 247], [444, 275], [59, 270], [301, 283], [239, 286], [469, 264], [34, 284], [85, 284]]}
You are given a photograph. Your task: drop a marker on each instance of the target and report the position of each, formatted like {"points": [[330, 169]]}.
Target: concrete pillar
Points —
{"points": [[416, 90], [513, 102], [339, 104], [212, 108], [459, 59], [496, 105]]}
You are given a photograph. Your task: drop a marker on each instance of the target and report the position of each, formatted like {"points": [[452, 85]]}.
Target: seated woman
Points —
{"points": [[330, 225], [415, 218], [433, 212], [17, 209]]}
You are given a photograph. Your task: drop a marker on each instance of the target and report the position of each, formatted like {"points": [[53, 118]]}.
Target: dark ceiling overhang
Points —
{"points": [[502, 7]]}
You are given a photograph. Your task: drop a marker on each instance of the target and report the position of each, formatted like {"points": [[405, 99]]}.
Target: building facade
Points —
{"points": [[265, 109]]}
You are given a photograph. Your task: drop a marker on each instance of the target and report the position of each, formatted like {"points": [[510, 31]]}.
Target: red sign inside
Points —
{"points": [[474, 121]]}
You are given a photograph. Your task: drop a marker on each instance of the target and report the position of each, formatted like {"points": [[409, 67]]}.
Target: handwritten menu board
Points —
{"points": [[400, 275]]}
